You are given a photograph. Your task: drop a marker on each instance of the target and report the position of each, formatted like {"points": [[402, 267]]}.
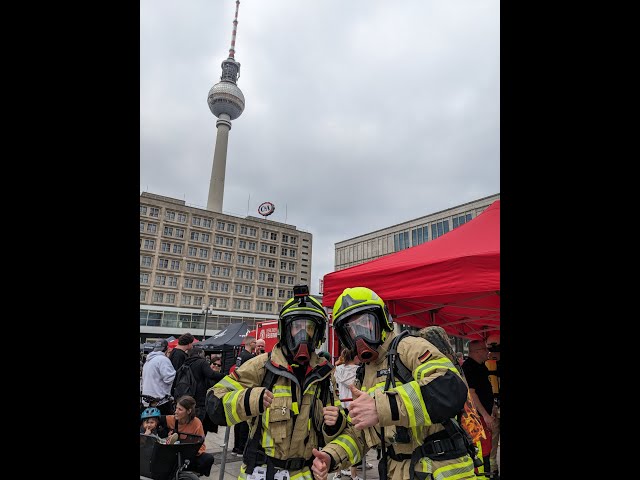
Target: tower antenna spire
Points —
{"points": [[232, 49]]}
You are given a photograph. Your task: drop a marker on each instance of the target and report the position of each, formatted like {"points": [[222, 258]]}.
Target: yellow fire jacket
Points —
{"points": [[436, 393], [289, 426]]}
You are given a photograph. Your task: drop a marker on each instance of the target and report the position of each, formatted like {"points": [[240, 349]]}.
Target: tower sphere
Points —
{"points": [[226, 97]]}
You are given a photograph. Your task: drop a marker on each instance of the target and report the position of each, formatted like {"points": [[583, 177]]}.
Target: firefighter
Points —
{"points": [[286, 395], [414, 417]]}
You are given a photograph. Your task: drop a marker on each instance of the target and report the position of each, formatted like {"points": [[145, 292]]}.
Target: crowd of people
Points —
{"points": [[427, 411]]}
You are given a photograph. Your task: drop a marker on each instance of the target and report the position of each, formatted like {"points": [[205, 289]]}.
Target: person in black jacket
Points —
{"points": [[179, 354], [204, 376]]}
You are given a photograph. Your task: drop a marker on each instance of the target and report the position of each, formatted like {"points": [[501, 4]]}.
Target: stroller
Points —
{"points": [[160, 461]]}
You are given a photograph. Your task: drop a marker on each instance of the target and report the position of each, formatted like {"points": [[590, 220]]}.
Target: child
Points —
{"points": [[151, 423]]}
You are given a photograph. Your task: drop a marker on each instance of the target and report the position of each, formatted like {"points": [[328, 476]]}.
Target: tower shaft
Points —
{"points": [[216, 184]]}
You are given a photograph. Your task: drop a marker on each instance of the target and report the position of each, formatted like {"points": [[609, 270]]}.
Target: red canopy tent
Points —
{"points": [[452, 281]]}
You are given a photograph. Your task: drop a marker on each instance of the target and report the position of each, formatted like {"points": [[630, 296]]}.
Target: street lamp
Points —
{"points": [[206, 310]]}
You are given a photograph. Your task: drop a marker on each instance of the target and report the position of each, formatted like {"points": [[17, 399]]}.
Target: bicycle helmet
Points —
{"points": [[361, 321], [150, 412], [301, 325]]}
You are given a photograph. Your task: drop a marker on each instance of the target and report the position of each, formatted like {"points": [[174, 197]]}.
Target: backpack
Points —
{"points": [[185, 382]]}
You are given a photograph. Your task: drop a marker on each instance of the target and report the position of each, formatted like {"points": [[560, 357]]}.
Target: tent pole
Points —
{"points": [[224, 453]]}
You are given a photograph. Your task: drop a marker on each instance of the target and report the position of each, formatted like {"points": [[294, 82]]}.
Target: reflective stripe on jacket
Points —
{"points": [[236, 398]]}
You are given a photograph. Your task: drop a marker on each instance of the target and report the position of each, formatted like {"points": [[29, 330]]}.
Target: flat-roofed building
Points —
{"points": [[243, 268]]}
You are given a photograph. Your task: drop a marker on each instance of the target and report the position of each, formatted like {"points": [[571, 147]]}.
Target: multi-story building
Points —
{"points": [[370, 246], [191, 258]]}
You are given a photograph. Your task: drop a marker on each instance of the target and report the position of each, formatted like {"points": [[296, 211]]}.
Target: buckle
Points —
{"points": [[437, 446]]}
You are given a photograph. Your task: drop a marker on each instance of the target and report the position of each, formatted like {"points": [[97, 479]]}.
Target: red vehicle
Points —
{"points": [[268, 331]]}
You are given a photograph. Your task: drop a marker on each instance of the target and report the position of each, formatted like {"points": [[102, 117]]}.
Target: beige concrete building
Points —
{"points": [[243, 268], [370, 246]]}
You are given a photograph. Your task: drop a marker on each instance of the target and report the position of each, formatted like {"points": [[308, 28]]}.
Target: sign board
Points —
{"points": [[268, 331], [266, 208]]}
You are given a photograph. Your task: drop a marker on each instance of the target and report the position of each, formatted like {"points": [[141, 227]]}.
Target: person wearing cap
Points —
{"points": [[158, 375], [286, 395], [403, 403]]}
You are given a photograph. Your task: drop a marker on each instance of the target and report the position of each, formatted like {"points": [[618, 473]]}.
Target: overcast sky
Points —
{"points": [[359, 114]]}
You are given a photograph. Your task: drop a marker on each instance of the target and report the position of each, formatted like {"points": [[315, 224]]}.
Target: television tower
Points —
{"points": [[226, 102]]}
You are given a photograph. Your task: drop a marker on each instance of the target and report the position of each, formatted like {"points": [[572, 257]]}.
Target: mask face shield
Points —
{"points": [[301, 333], [361, 333]]}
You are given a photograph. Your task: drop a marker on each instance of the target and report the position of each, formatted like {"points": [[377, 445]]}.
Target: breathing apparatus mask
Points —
{"points": [[301, 327], [301, 336], [361, 333]]}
